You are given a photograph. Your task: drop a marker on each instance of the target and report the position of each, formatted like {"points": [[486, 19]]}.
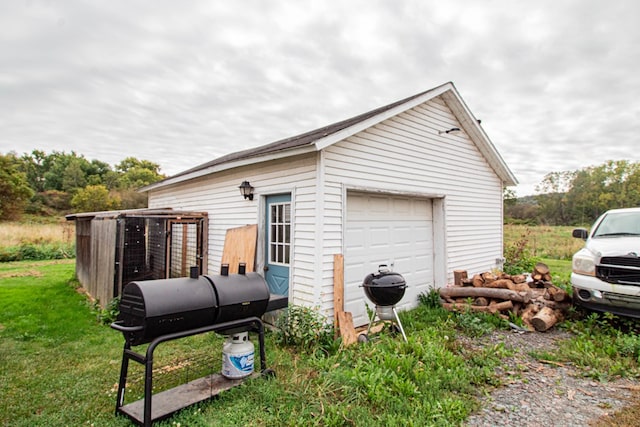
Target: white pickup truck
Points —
{"points": [[606, 272]]}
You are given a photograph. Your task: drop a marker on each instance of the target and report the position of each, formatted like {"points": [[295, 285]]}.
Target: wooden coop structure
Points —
{"points": [[114, 248]]}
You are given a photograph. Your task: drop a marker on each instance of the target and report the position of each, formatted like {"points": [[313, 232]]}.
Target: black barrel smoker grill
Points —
{"points": [[156, 311], [385, 289]]}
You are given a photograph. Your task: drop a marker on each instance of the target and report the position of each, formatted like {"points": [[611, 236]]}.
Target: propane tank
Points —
{"points": [[237, 356]]}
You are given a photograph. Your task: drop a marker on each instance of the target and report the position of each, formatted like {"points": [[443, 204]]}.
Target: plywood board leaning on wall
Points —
{"points": [[240, 247]]}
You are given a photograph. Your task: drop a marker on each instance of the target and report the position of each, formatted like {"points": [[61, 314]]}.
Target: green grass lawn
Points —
{"points": [[59, 366], [54, 356]]}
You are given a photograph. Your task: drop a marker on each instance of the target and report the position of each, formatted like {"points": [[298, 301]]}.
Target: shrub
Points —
{"points": [[304, 328], [108, 315], [94, 198], [37, 252]]}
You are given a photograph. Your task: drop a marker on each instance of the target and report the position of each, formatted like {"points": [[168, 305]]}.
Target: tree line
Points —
{"points": [[578, 197], [56, 183]]}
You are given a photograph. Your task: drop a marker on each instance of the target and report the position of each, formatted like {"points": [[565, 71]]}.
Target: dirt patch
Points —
{"points": [[27, 273]]}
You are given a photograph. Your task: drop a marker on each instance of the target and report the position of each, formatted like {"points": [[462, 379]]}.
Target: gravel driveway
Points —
{"points": [[545, 394]]}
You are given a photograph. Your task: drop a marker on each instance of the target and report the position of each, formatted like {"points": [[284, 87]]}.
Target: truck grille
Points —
{"points": [[622, 270], [619, 298]]}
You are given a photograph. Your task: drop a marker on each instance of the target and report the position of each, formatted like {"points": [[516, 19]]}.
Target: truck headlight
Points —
{"points": [[584, 263]]}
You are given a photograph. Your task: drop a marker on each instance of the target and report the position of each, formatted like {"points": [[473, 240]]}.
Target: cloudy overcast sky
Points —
{"points": [[555, 83]]}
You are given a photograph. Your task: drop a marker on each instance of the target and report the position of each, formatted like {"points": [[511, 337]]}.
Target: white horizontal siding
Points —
{"points": [[218, 195], [406, 154], [330, 192], [402, 154]]}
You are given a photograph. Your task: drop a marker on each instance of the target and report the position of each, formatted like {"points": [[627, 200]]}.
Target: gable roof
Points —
{"points": [[318, 139]]}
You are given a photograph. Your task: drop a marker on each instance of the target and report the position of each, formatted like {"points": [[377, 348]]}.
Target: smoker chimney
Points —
{"points": [[194, 272]]}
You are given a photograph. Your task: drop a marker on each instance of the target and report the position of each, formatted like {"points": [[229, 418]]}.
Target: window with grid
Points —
{"points": [[280, 233]]}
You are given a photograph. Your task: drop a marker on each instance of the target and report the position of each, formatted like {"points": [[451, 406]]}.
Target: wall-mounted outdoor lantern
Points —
{"points": [[246, 190]]}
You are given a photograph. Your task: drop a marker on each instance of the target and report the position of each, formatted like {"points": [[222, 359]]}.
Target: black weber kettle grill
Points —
{"points": [[385, 289]]}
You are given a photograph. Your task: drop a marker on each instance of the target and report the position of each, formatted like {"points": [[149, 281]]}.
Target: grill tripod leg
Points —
{"points": [[395, 313], [371, 320]]}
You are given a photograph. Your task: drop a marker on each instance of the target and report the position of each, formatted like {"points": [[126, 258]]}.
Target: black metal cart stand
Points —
{"points": [[166, 403]]}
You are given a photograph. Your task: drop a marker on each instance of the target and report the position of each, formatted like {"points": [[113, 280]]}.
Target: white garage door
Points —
{"points": [[397, 231]]}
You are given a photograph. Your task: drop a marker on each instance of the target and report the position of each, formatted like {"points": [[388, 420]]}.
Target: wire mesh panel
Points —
{"points": [[135, 250], [152, 248], [143, 248], [157, 247], [184, 248]]}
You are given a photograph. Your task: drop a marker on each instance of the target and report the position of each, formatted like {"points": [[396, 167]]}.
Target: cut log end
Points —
{"points": [[544, 319], [477, 281], [459, 277]]}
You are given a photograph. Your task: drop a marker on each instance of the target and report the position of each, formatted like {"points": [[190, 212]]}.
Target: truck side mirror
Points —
{"points": [[580, 233]]}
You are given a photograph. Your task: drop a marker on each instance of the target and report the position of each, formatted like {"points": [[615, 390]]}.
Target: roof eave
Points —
{"points": [[379, 118], [228, 165]]}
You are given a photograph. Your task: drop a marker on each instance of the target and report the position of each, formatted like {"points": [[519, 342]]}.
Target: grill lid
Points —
{"points": [[384, 278], [153, 298], [385, 287], [149, 309]]}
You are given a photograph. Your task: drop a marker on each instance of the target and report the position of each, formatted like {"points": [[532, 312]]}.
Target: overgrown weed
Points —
{"points": [[518, 255], [305, 329], [553, 242], [603, 346], [29, 240]]}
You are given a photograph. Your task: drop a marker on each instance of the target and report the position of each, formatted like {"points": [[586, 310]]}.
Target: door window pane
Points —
{"points": [[280, 233]]}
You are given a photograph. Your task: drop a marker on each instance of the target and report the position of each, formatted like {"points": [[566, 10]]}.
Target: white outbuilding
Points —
{"points": [[416, 185]]}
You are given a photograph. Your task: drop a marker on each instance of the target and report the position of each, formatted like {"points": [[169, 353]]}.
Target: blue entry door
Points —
{"points": [[278, 243]]}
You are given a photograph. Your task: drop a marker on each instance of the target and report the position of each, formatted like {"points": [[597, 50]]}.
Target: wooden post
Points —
{"points": [[338, 286], [343, 321], [347, 331]]}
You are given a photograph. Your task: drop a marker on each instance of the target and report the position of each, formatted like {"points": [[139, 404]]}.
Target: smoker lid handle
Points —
{"points": [[118, 326]]}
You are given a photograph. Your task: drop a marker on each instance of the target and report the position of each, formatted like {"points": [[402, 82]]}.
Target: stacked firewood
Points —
{"points": [[534, 298]]}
